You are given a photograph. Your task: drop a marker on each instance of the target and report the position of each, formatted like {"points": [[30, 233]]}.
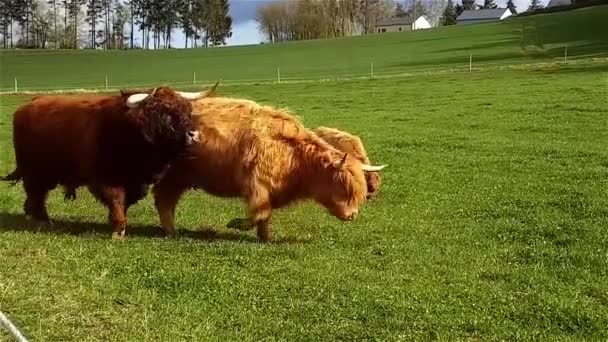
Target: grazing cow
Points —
{"points": [[115, 145], [352, 145], [265, 156]]}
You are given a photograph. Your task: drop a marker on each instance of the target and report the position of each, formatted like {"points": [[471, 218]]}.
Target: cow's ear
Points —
{"points": [[339, 161], [326, 160]]}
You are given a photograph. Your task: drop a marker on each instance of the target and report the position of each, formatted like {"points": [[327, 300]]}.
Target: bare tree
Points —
{"points": [[370, 11], [434, 11]]}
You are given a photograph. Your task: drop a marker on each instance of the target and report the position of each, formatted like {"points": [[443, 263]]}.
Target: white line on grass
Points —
{"points": [[12, 328]]}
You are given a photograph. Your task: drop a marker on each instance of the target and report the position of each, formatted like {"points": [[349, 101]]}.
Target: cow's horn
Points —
{"points": [[135, 99], [343, 160], [372, 168], [200, 94]]}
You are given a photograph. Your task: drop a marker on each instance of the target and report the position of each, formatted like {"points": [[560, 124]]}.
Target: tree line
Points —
{"points": [[285, 20], [112, 24]]}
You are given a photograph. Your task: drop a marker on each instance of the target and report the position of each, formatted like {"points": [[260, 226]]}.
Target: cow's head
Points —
{"points": [[372, 178], [164, 116], [341, 186], [352, 145], [373, 181]]}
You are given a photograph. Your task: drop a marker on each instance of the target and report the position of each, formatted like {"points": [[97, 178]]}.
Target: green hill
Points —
{"points": [[514, 40]]}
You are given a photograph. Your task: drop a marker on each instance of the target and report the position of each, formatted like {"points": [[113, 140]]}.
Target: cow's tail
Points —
{"points": [[13, 177]]}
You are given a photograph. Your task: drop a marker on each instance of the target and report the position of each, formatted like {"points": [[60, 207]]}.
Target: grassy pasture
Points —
{"points": [[491, 225], [514, 41]]}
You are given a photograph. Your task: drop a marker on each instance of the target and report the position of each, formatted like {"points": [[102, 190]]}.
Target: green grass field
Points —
{"points": [[490, 223], [514, 41]]}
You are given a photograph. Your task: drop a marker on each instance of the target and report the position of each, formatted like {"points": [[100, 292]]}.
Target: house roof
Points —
{"points": [[554, 3], [482, 14], [407, 20]]}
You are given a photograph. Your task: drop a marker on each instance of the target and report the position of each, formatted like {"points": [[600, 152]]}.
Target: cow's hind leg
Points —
{"points": [[260, 210], [36, 191], [134, 194], [166, 197]]}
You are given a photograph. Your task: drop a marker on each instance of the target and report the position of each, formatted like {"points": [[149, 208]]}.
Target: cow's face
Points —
{"points": [[343, 188], [165, 119]]}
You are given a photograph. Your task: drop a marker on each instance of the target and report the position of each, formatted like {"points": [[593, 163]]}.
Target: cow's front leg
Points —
{"points": [[260, 210], [118, 216], [115, 199], [264, 233]]}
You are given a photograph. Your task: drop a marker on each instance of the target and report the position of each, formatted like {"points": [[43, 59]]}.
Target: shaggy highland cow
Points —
{"points": [[115, 145], [265, 156], [351, 144]]}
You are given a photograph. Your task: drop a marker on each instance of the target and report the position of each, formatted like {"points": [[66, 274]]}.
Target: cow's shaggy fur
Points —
{"points": [[99, 142], [267, 157]]}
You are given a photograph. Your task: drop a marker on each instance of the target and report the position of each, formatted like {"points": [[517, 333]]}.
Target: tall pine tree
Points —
{"points": [[534, 5], [511, 6], [449, 14], [219, 22], [399, 11], [489, 4], [94, 14], [468, 5], [459, 10]]}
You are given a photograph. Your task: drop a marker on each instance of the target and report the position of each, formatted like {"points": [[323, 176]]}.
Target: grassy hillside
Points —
{"points": [[490, 225], [512, 41]]}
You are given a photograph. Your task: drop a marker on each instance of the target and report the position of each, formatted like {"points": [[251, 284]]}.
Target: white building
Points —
{"points": [[400, 24]]}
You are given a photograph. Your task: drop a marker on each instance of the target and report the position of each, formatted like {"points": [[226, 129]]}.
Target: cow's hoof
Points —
{"points": [[171, 236], [240, 224], [264, 240], [119, 235], [39, 221]]}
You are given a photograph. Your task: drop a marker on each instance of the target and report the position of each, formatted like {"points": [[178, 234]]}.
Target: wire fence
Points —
{"points": [[374, 72]]}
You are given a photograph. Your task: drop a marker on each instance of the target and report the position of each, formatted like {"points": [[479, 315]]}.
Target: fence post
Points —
{"points": [[194, 77], [279, 75], [106, 82], [566, 53], [16, 90], [371, 70], [471, 62]]}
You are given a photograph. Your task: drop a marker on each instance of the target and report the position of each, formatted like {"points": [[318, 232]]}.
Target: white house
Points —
{"points": [[483, 16], [399, 24]]}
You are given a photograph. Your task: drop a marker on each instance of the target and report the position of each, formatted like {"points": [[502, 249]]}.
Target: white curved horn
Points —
{"points": [[135, 99], [198, 95], [371, 168], [191, 96]]}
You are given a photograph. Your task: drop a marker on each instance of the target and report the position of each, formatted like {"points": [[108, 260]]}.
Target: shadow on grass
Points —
{"points": [[18, 223]]}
